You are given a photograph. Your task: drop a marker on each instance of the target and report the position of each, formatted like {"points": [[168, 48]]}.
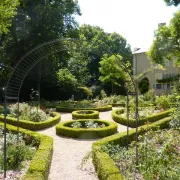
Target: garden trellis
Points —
{"points": [[26, 63]]}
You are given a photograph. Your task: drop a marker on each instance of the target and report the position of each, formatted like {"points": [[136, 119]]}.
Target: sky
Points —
{"points": [[135, 20]]}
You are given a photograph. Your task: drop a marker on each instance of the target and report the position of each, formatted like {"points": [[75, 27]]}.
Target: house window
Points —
{"points": [[168, 86], [158, 86], [166, 63]]}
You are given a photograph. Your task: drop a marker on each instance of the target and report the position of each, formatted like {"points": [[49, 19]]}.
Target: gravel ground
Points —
{"points": [[68, 154]]}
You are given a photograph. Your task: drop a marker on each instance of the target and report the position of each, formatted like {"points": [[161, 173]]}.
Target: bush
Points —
{"points": [[70, 109], [117, 117], [105, 167], [162, 102], [33, 125], [66, 129], [85, 114], [40, 164]]}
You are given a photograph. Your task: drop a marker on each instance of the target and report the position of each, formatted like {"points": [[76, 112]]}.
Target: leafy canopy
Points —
{"points": [[172, 2], [110, 70], [7, 11], [166, 45]]}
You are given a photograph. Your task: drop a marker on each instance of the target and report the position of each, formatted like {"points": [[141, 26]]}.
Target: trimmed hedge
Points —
{"points": [[33, 125], [65, 129], [90, 114], [132, 122], [104, 165], [118, 104], [67, 109], [40, 164]]}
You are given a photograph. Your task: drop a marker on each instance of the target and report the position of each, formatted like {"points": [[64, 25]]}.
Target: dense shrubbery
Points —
{"points": [[158, 156], [27, 112], [17, 152]]}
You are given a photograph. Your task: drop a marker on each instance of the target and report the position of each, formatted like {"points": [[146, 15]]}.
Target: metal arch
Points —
{"points": [[27, 62]]}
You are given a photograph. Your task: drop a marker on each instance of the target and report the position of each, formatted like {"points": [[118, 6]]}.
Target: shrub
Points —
{"points": [[16, 152], [116, 116], [85, 114], [162, 102], [33, 125], [105, 167], [40, 164], [27, 113], [65, 129]]}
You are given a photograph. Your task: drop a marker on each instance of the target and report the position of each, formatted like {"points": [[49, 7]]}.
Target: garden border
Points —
{"points": [[93, 115], [104, 165], [33, 125], [82, 133], [100, 109], [132, 122], [40, 163]]}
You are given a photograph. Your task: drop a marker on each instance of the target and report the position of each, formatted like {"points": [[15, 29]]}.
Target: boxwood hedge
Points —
{"points": [[70, 109], [33, 125], [117, 117], [85, 114], [40, 164], [104, 165], [65, 129]]}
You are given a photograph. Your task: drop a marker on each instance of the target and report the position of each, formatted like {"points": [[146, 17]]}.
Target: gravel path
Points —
{"points": [[68, 153]]}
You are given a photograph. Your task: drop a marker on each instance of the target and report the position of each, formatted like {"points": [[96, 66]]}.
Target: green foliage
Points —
{"points": [[115, 99], [105, 167], [87, 90], [162, 102], [172, 2], [85, 114], [144, 85], [8, 11], [27, 112], [175, 122], [17, 152], [106, 129], [111, 71], [34, 125], [40, 164], [158, 156], [119, 118], [166, 43], [66, 78], [150, 96], [69, 106]]}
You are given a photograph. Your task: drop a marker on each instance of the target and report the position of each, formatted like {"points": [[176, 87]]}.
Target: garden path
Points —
{"points": [[68, 153]]}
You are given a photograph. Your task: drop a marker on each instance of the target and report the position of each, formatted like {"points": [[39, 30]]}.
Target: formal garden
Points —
{"points": [[73, 105], [114, 157]]}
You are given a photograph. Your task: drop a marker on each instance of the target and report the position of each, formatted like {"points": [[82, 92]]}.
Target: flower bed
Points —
{"points": [[40, 164], [86, 129], [85, 114], [105, 166], [33, 125], [117, 116]]}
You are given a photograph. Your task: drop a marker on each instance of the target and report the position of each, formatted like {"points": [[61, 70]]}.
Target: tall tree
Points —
{"points": [[172, 2], [166, 45], [38, 21], [110, 70], [101, 43], [7, 12]]}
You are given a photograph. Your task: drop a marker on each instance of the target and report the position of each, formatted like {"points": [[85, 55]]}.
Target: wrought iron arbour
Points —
{"points": [[27, 62]]}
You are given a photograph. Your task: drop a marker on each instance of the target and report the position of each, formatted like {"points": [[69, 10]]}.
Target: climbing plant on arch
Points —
{"points": [[34, 56]]}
